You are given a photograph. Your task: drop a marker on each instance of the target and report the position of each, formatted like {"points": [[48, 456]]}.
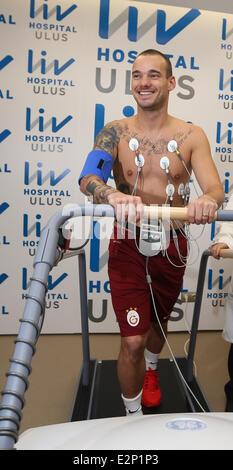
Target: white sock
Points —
{"points": [[133, 405], [151, 360]]}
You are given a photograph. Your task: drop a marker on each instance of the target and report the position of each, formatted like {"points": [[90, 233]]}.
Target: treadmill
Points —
{"points": [[91, 398], [98, 378]]}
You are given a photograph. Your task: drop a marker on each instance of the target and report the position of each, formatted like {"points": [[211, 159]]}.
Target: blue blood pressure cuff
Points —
{"points": [[98, 163]]}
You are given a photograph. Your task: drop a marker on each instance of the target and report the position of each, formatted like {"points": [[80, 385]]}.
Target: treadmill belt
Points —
{"points": [[108, 402], [107, 393], [102, 398]]}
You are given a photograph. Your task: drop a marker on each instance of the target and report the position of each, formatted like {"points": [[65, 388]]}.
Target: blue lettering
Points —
{"points": [[39, 178], [36, 226], [3, 207], [181, 62], [5, 169], [224, 29], [107, 287], [225, 35], [132, 55], [163, 36], [226, 185], [4, 62], [95, 247], [93, 286], [133, 24], [99, 119], [223, 85], [101, 53], [4, 240], [219, 281], [100, 116], [51, 284], [4, 134], [118, 55], [192, 64], [46, 14], [40, 120], [44, 68], [8, 95], [227, 134], [213, 226], [4, 312], [135, 33], [3, 19], [3, 277]]}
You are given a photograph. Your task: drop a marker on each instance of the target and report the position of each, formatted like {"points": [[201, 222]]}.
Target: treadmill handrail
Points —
{"points": [[224, 253]]}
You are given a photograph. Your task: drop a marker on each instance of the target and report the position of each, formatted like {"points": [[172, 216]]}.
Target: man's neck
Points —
{"points": [[151, 120]]}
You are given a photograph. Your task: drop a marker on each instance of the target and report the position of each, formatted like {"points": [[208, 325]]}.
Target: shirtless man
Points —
{"points": [[153, 127]]}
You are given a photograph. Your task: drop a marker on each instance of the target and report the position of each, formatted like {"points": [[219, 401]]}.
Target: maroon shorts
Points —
{"points": [[130, 291]]}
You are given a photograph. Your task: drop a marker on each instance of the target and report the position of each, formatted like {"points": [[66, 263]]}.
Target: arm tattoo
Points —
{"points": [[107, 140], [94, 186]]}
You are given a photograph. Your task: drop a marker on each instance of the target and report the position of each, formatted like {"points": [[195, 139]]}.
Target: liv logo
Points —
{"points": [[225, 81], [219, 282], [46, 13], [135, 32], [45, 67], [40, 178], [51, 283], [224, 136], [42, 125], [36, 227]]}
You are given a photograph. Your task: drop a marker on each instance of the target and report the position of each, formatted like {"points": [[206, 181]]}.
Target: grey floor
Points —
{"points": [[58, 358]]}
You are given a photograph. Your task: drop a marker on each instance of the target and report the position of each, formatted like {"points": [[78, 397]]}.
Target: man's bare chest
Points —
{"points": [[155, 157]]}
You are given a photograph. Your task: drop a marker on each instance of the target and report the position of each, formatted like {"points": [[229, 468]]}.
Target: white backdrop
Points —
{"points": [[64, 72]]}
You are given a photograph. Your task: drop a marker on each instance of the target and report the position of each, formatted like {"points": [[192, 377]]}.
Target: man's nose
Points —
{"points": [[145, 81]]}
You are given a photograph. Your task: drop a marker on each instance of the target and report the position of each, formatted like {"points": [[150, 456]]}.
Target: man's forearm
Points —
{"points": [[92, 185], [216, 194]]}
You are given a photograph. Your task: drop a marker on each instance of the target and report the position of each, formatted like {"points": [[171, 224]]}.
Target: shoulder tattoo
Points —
{"points": [[107, 140]]}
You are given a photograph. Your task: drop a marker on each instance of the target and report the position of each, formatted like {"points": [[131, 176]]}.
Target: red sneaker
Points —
{"points": [[151, 395]]}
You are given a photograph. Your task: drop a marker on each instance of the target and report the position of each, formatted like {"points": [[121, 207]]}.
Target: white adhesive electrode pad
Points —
{"points": [[172, 146], [170, 189], [139, 160], [181, 189], [164, 163], [187, 189], [133, 144]]}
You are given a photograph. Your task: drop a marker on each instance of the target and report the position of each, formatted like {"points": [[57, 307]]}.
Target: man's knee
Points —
{"points": [[133, 346]]}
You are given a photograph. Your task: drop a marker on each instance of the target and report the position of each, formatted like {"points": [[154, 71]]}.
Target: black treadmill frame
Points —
{"points": [[98, 386]]}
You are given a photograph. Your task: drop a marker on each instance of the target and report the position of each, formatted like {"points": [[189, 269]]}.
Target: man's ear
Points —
{"points": [[171, 83]]}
